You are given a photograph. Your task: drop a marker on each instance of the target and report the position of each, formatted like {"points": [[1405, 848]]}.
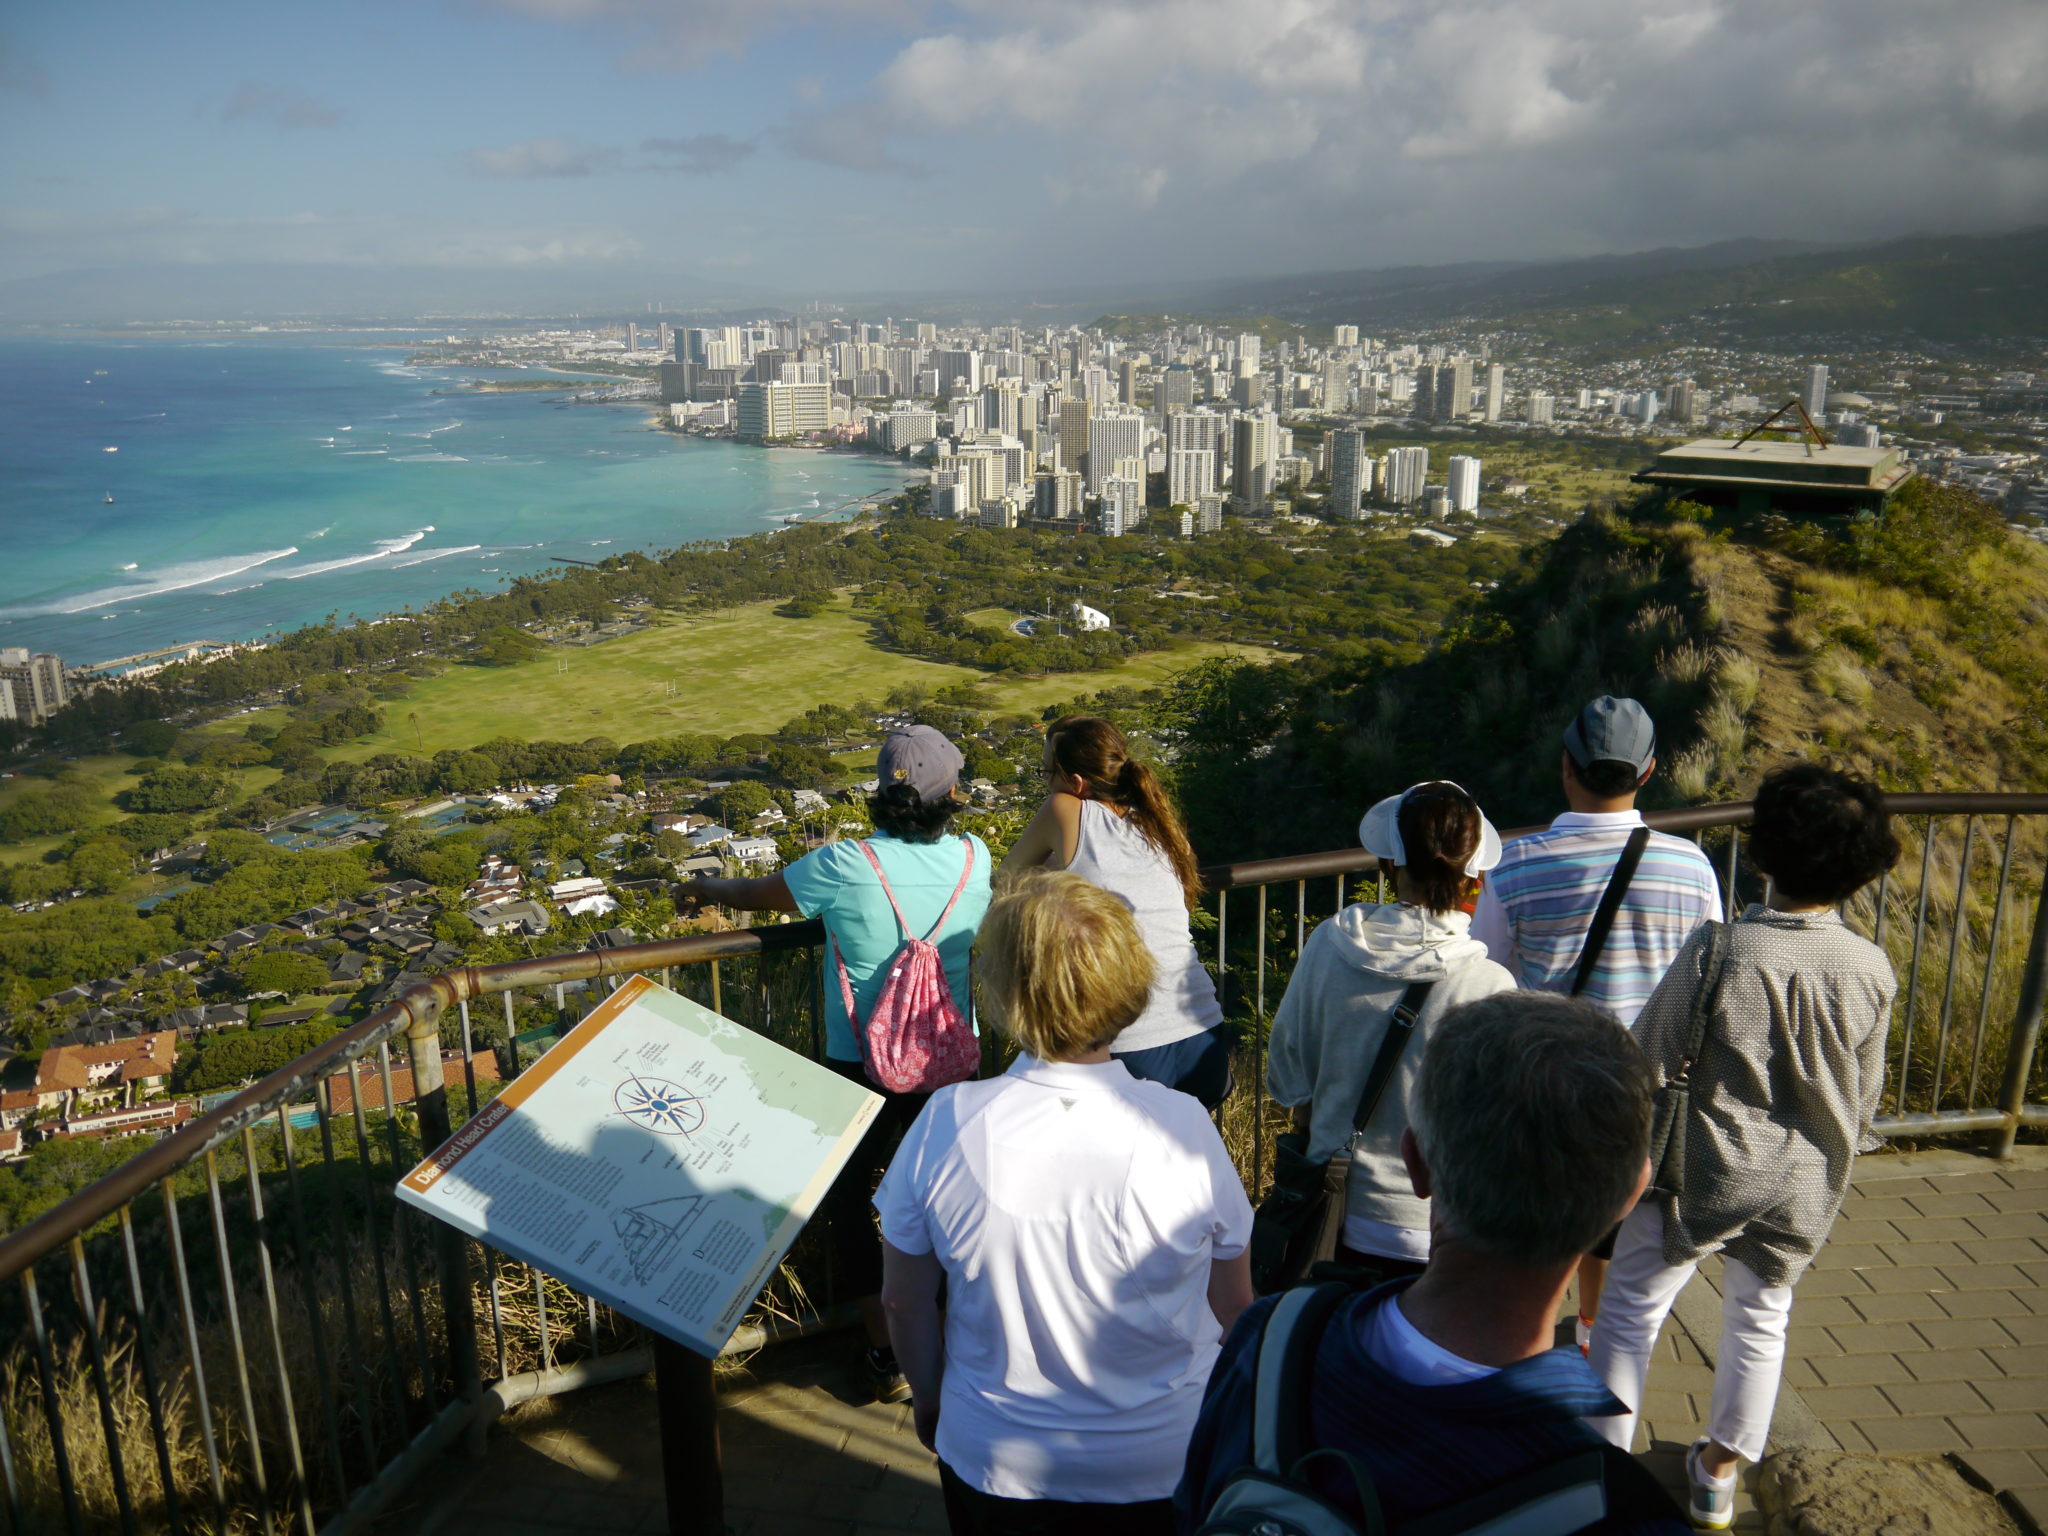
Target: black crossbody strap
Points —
{"points": [[1712, 963], [1400, 1029], [1610, 903]]}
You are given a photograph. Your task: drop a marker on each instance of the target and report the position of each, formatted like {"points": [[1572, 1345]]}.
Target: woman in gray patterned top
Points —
{"points": [[1782, 1091]]}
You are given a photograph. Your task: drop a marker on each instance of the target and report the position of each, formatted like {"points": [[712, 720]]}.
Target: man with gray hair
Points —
{"points": [[1529, 1136]]}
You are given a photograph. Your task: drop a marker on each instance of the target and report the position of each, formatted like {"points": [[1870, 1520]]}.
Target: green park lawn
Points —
{"points": [[106, 776], [743, 669]]}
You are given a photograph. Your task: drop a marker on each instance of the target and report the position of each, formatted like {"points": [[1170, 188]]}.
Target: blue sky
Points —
{"points": [[790, 146]]}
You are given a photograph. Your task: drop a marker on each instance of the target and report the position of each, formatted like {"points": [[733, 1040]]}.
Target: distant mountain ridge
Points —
{"points": [[1944, 288]]}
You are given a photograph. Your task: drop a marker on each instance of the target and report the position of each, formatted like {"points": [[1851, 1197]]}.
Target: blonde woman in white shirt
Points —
{"points": [[1090, 1232]]}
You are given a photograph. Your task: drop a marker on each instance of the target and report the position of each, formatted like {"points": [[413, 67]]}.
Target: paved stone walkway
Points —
{"points": [[1923, 1328]]}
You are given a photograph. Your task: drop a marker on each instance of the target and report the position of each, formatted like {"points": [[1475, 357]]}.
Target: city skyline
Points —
{"points": [[712, 152]]}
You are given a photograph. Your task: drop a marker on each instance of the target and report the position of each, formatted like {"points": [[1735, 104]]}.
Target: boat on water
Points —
{"points": [[110, 501]]}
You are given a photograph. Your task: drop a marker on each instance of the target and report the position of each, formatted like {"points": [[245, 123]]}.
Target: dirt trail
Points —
{"points": [[1756, 592]]}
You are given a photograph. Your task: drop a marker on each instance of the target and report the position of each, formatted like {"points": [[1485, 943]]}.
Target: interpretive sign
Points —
{"points": [[660, 1158]]}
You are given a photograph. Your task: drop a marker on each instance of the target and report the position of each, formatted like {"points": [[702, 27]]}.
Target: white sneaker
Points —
{"points": [[1713, 1498]]}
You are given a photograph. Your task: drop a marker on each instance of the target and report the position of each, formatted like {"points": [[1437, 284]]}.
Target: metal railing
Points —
{"points": [[239, 1329]]}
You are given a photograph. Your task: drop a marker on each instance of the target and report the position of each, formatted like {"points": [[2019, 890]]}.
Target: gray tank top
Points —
{"points": [[1115, 855]]}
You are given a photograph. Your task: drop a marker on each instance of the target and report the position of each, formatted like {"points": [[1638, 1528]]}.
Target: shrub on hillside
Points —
{"points": [[232, 1056], [174, 789]]}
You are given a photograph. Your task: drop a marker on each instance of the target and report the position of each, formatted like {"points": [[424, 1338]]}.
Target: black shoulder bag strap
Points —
{"points": [[1610, 903], [1400, 1029]]}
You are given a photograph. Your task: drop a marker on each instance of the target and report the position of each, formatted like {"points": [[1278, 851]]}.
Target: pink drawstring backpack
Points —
{"points": [[916, 1039]]}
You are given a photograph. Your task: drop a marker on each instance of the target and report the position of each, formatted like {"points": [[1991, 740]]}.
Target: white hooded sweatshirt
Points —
{"points": [[1352, 972]]}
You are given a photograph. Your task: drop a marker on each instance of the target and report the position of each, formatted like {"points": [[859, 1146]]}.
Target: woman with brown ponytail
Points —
{"points": [[1355, 970], [1109, 820]]}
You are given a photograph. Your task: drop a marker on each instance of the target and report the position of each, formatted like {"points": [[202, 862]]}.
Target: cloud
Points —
{"points": [[20, 71], [542, 159], [278, 108], [700, 154], [1280, 134]]}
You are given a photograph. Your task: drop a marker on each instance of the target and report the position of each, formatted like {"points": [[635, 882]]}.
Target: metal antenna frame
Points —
{"points": [[1806, 422]]}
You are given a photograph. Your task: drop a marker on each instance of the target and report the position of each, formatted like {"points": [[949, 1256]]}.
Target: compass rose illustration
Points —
{"points": [[659, 1105]]}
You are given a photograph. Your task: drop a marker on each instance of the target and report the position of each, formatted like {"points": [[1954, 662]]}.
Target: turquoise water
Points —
{"points": [[265, 483]]}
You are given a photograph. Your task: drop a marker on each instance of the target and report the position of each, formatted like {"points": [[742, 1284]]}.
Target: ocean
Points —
{"points": [[266, 482]]}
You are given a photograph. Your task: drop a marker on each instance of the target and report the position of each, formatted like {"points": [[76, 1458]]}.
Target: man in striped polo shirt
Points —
{"points": [[1538, 904], [1537, 907]]}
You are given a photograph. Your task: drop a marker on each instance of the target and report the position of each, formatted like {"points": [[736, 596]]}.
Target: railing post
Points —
{"points": [[451, 1262], [2026, 1033]]}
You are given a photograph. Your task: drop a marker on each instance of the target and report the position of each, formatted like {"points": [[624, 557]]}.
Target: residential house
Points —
{"points": [[757, 851], [582, 895], [710, 835], [128, 1121], [366, 1078], [528, 917], [75, 1077]]}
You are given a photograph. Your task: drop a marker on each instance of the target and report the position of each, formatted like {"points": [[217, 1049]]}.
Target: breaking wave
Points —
{"points": [[170, 578]]}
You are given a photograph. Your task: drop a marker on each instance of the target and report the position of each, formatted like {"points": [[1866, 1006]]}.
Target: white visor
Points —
{"points": [[1379, 832]]}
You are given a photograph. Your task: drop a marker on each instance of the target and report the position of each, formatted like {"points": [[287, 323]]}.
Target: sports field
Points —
{"points": [[744, 669]]}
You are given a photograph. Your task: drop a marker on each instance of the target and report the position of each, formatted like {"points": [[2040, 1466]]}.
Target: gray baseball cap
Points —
{"points": [[919, 756], [1611, 730]]}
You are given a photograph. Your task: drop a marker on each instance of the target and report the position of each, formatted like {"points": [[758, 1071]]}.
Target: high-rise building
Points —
{"points": [[1073, 428], [1422, 396], [1123, 504], [1343, 335], [1407, 470], [1002, 407], [1056, 497], [959, 372], [1248, 351], [1436, 501], [906, 428], [1115, 433], [777, 410], [1174, 391], [1540, 410], [1347, 459], [1253, 450], [632, 336], [1127, 381], [1680, 400], [1646, 405], [1464, 483], [1815, 399], [1190, 473], [32, 686], [1209, 513], [1451, 394], [1496, 390]]}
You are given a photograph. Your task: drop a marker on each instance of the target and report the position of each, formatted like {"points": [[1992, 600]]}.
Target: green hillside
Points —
{"points": [[1946, 288], [1907, 649]]}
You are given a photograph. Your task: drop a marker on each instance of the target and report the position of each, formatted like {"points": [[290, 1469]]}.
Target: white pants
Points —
{"points": [[1640, 1290]]}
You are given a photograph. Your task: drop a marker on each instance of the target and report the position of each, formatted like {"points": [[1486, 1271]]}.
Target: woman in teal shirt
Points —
{"points": [[913, 807]]}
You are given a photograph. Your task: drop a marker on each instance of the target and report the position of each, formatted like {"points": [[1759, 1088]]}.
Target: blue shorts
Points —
{"points": [[1198, 1065]]}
